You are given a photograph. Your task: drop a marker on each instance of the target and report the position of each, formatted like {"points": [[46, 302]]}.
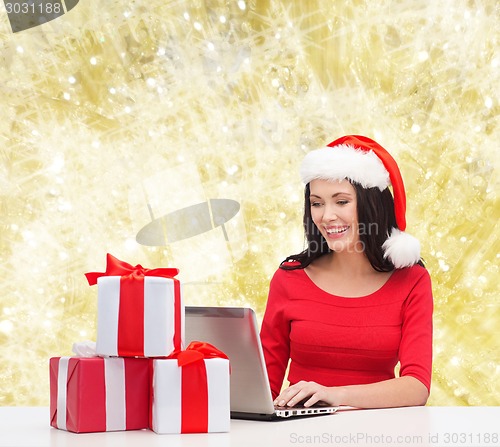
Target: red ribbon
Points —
{"points": [[131, 310], [115, 267], [194, 391]]}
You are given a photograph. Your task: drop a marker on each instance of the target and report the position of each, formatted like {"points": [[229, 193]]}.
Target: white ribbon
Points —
{"points": [[114, 379], [62, 380], [84, 349], [116, 413]]}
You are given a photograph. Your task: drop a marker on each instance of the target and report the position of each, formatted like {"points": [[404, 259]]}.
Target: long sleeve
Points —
{"points": [[415, 351], [337, 341], [275, 334]]}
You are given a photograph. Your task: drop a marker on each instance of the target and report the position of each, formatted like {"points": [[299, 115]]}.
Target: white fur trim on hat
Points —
{"points": [[402, 249], [345, 162]]}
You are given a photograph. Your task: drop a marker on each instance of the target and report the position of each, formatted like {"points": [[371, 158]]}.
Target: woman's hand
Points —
{"points": [[398, 392], [307, 393]]}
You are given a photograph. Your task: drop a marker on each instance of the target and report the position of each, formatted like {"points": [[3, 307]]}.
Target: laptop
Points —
{"points": [[234, 331]]}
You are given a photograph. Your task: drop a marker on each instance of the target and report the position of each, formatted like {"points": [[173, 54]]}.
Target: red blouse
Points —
{"points": [[334, 340]]}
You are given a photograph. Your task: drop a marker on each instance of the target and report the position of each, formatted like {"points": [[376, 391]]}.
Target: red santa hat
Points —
{"points": [[362, 160]]}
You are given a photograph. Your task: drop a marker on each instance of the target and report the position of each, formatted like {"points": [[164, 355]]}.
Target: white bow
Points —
{"points": [[84, 349]]}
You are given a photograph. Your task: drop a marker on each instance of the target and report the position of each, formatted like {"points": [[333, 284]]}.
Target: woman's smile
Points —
{"points": [[336, 232]]}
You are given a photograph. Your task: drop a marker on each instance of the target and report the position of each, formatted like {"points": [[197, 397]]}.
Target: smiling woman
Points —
{"points": [[354, 303]]}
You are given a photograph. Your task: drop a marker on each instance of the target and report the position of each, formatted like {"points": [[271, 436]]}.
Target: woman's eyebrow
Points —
{"points": [[333, 195]]}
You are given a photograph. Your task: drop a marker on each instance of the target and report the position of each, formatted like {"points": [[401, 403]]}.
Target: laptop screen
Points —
{"points": [[234, 331]]}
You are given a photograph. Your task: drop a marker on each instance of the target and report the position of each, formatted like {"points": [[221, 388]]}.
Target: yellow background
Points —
{"points": [[117, 105]]}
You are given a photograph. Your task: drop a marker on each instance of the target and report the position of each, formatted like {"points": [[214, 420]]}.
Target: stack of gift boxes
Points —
{"points": [[138, 375]]}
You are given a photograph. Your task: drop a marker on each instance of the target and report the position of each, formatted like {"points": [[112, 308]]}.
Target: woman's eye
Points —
{"points": [[342, 202], [315, 204]]}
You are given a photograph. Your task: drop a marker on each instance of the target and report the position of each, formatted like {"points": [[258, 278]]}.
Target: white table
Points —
{"points": [[414, 426]]}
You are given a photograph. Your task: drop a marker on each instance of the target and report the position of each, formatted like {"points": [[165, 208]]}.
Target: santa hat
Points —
{"points": [[364, 161]]}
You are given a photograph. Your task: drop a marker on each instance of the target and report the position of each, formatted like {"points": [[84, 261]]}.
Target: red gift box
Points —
{"points": [[190, 391], [140, 311], [97, 394]]}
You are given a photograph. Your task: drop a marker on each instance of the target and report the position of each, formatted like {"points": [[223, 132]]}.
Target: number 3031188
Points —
{"points": [[32, 8], [470, 438]]}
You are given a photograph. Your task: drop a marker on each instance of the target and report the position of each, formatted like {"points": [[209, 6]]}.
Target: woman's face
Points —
{"points": [[334, 212]]}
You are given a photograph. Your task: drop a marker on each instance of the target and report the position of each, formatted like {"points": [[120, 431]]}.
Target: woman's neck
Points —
{"points": [[348, 275], [353, 264]]}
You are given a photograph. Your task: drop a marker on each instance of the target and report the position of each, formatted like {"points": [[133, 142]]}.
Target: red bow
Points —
{"points": [[115, 267], [196, 351]]}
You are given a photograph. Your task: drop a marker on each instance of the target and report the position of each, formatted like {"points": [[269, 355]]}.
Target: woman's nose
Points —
{"points": [[329, 214]]}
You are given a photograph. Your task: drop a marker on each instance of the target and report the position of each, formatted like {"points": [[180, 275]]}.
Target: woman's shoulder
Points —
{"points": [[290, 264], [409, 278], [285, 283], [288, 270], [416, 271]]}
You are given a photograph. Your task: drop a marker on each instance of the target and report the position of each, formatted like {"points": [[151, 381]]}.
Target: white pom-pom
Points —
{"points": [[402, 249]]}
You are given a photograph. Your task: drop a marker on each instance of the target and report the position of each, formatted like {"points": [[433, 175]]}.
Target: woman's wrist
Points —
{"points": [[337, 395]]}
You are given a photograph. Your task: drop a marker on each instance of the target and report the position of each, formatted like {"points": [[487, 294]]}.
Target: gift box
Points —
{"points": [[190, 391], [140, 312], [99, 394]]}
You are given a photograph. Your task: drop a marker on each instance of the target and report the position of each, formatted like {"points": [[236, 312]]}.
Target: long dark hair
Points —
{"points": [[376, 218]]}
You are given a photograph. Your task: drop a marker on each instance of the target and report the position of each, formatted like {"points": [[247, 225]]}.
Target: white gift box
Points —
{"points": [[149, 326], [182, 403], [140, 311]]}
